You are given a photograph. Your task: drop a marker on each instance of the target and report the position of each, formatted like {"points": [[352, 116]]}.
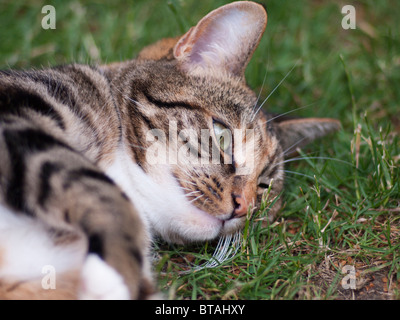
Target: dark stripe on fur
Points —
{"points": [[19, 143], [273, 171], [16, 185], [136, 254], [46, 172], [57, 88], [31, 140], [89, 95], [15, 100], [96, 245], [164, 104], [148, 122], [63, 89], [270, 163], [84, 173], [83, 79]]}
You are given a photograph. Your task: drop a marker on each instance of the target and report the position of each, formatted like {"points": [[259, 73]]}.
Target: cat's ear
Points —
{"points": [[296, 133], [225, 39]]}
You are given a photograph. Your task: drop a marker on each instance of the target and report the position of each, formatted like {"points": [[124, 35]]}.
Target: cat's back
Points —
{"points": [[73, 102]]}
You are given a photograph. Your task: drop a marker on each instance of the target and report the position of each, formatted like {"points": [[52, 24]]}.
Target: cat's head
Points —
{"points": [[208, 147]]}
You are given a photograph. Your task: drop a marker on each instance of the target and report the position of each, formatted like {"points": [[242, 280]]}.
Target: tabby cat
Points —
{"points": [[83, 190]]}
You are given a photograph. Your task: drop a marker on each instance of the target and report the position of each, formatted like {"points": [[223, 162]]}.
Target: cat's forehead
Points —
{"points": [[223, 93], [218, 93]]}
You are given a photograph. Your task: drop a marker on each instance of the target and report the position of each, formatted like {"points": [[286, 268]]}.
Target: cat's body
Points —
{"points": [[78, 178]]}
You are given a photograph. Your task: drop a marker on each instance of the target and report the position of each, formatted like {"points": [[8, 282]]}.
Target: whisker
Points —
{"points": [[218, 253], [285, 113], [293, 145], [189, 182], [298, 173], [185, 188], [129, 98], [276, 87], [313, 158], [136, 146], [259, 94], [190, 193], [291, 177], [226, 249], [199, 197]]}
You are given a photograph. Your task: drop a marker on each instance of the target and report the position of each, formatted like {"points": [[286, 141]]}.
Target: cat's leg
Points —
{"points": [[67, 286], [37, 262], [112, 284], [44, 178]]}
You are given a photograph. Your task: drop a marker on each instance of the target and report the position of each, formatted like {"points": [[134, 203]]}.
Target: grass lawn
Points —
{"points": [[342, 196]]}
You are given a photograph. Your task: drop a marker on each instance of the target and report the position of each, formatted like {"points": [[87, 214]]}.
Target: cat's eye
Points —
{"points": [[223, 136]]}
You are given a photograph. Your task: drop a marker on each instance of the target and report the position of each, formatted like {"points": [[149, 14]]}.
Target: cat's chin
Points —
{"points": [[198, 226], [178, 222], [232, 226], [193, 226]]}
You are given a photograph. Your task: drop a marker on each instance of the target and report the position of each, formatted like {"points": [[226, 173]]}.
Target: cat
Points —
{"points": [[85, 185]]}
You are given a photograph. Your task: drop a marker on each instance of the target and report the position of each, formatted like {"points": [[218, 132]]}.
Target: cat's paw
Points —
{"points": [[101, 282]]}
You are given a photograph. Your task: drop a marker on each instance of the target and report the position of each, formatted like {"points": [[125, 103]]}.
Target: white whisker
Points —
{"points": [[293, 145], [185, 188], [259, 94], [136, 146], [285, 113], [190, 193], [226, 249], [313, 158], [276, 87], [130, 99], [292, 177], [298, 173], [199, 197], [189, 182]]}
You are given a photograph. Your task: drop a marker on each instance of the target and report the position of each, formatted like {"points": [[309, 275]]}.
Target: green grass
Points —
{"points": [[343, 211]]}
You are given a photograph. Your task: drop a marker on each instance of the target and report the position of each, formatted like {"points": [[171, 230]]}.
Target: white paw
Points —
{"points": [[101, 282]]}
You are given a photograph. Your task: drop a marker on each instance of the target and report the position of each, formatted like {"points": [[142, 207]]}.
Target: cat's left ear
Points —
{"points": [[296, 133], [225, 39]]}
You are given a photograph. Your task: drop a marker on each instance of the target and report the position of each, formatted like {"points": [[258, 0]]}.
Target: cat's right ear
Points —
{"points": [[224, 40]]}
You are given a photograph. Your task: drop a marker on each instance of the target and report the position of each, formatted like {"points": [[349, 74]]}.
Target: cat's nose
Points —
{"points": [[241, 205]]}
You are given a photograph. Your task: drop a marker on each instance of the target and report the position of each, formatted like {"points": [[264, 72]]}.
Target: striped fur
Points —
{"points": [[76, 179]]}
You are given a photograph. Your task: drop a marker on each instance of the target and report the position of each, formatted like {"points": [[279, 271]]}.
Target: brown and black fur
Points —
{"points": [[59, 128], [53, 150]]}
